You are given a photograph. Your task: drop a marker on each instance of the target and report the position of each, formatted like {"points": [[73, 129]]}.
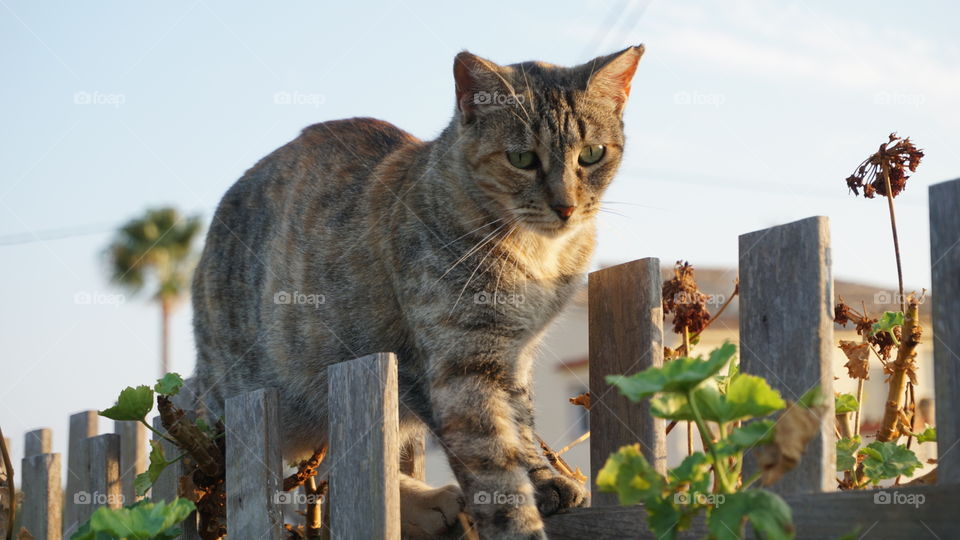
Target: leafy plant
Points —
{"points": [[693, 389], [892, 338], [145, 520]]}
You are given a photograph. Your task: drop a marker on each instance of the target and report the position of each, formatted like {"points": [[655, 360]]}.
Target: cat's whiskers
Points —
{"points": [[484, 241], [472, 274], [471, 232]]}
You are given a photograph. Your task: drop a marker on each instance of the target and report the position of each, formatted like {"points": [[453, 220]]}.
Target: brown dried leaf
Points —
{"points": [[582, 400], [858, 359], [796, 427], [683, 298]]}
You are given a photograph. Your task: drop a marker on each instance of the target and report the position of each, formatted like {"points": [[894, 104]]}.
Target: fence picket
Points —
{"points": [[786, 331], [362, 404], [945, 289], [38, 441], [82, 425], [133, 455], [626, 336], [103, 487], [254, 467], [42, 496], [167, 486]]}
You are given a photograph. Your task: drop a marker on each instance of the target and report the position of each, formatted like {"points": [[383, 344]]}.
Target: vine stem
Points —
{"points": [[161, 434], [708, 444], [686, 352], [893, 227]]}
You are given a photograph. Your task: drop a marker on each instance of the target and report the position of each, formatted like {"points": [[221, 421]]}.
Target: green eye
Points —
{"points": [[592, 154], [523, 160]]}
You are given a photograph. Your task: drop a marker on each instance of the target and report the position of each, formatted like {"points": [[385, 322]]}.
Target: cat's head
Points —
{"points": [[540, 143]]}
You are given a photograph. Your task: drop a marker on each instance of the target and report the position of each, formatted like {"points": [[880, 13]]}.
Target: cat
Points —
{"points": [[456, 253]]}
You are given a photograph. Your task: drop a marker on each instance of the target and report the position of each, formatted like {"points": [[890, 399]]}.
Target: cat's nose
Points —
{"points": [[564, 212]]}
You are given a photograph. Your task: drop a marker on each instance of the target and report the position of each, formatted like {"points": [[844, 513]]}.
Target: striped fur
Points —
{"points": [[356, 237]]}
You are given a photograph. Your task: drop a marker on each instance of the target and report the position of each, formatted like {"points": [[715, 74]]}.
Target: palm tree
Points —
{"points": [[156, 248]]}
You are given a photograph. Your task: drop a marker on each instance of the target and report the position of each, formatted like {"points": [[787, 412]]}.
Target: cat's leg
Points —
{"points": [[472, 397], [554, 492]]}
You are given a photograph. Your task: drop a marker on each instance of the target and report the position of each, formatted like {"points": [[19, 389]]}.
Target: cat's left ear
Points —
{"points": [[608, 77]]}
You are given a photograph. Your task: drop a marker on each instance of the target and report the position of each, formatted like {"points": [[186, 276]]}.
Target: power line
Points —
{"points": [[30, 237]]}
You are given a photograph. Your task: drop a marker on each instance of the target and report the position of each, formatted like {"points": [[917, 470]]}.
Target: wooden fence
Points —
{"points": [[786, 335]]}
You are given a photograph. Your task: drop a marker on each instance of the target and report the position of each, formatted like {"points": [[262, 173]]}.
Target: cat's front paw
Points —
{"points": [[431, 513], [557, 493]]}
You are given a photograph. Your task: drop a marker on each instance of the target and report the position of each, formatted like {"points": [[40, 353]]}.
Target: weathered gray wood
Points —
{"points": [[133, 455], [82, 425], [38, 441], [816, 516], [364, 462], [103, 476], [626, 336], [254, 467], [42, 496], [786, 331], [167, 486], [945, 291]]}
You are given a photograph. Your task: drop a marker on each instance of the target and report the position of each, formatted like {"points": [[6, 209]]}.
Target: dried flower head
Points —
{"points": [[683, 298], [895, 157]]}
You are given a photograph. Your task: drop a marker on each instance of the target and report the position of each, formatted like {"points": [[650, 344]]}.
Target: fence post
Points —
{"points": [[167, 486], [82, 425], [945, 288], [254, 467], [133, 455], [364, 437], [786, 330], [626, 336], [42, 496], [103, 474], [38, 441]]}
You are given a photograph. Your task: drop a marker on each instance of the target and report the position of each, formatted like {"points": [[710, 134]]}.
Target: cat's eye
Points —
{"points": [[591, 154], [523, 160]]}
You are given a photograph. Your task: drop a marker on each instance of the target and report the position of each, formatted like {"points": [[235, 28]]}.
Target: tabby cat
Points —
{"points": [[456, 253]]}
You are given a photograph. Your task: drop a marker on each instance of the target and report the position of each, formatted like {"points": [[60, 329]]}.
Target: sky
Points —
{"points": [[742, 115]]}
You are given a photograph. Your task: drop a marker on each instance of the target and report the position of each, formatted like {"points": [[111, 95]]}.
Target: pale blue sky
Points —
{"points": [[743, 115]]}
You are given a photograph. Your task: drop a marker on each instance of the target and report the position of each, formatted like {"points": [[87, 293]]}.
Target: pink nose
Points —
{"points": [[563, 211]]}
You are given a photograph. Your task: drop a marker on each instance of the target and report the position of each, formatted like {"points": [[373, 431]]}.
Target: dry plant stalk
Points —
{"points": [[900, 371], [307, 469], [559, 464], [11, 490], [201, 447]]}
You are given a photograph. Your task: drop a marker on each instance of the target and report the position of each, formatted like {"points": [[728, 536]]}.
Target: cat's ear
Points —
{"points": [[478, 83], [608, 77]]}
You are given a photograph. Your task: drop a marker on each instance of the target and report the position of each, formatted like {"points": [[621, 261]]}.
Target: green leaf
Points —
{"points": [[665, 519], [846, 447], [752, 434], [145, 520], [927, 435], [766, 511], [158, 462], [133, 404], [678, 375], [724, 380], [693, 473], [169, 384], [845, 403], [750, 396], [888, 460], [628, 474], [888, 321], [813, 398]]}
